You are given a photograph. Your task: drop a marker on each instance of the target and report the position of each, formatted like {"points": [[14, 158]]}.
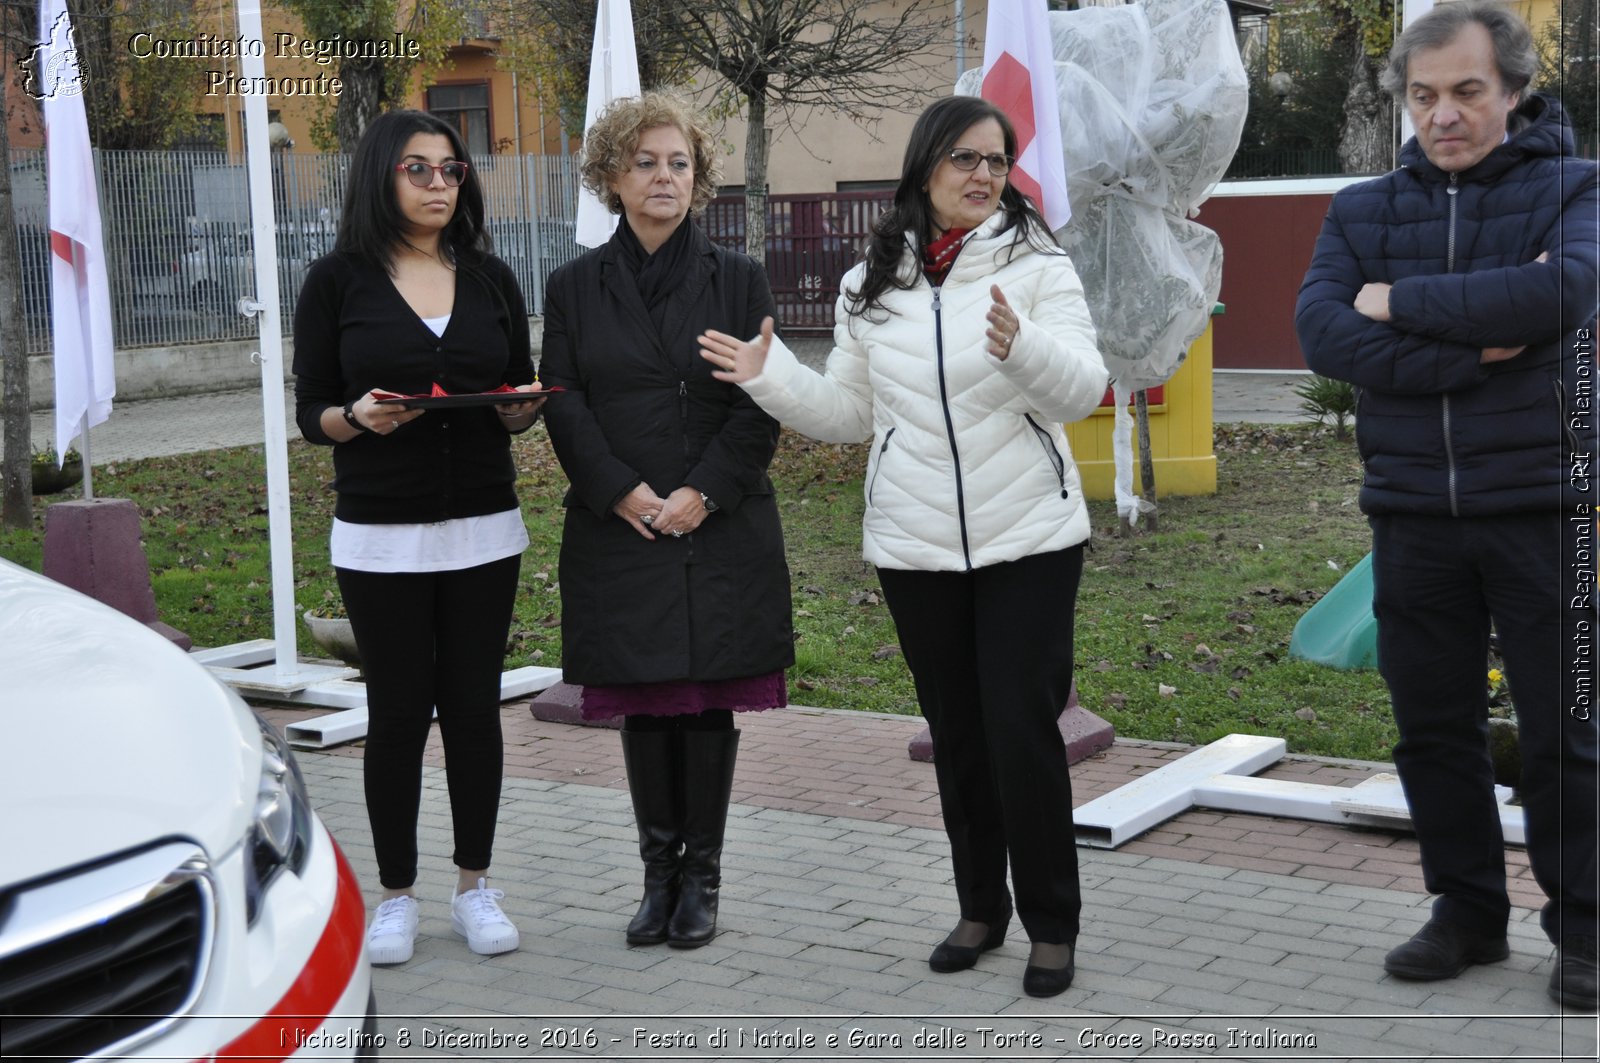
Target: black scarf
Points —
{"points": [[657, 276]]}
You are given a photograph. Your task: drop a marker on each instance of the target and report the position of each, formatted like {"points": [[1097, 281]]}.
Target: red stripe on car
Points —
{"points": [[311, 999]]}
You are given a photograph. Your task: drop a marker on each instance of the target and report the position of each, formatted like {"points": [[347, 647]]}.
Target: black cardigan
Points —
{"points": [[642, 405], [353, 332]]}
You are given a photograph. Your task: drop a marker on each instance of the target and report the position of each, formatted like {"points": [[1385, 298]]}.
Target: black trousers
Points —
{"points": [[1437, 584], [991, 654], [431, 640]]}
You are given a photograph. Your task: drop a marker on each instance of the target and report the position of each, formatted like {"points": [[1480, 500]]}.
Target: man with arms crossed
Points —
{"points": [[1458, 294]]}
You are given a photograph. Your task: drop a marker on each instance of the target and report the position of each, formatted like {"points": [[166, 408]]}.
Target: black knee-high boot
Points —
{"points": [[651, 761], [706, 784]]}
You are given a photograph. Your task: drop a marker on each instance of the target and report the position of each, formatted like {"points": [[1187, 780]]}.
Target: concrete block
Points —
{"points": [[93, 546], [562, 704], [1084, 733]]}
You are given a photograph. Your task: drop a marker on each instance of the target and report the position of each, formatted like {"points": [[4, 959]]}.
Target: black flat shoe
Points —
{"points": [[1443, 950], [1049, 981], [947, 958]]}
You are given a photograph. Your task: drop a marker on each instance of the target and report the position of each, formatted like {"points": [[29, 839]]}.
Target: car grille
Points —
{"points": [[114, 977]]}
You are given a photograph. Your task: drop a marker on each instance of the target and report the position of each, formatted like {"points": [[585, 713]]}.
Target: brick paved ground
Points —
{"points": [[840, 763], [836, 885]]}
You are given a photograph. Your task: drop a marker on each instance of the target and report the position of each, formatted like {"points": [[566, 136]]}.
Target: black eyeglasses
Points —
{"points": [[421, 173], [967, 160]]}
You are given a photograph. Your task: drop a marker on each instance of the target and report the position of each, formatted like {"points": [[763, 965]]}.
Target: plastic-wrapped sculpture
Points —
{"points": [[1152, 99]]}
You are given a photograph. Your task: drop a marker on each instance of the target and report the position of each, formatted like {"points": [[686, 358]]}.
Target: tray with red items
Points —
{"points": [[438, 398]]}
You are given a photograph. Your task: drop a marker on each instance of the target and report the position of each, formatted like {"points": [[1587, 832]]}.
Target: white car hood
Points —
{"points": [[110, 737]]}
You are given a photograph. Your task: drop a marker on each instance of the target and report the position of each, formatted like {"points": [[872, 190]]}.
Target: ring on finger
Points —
{"points": [[647, 519]]}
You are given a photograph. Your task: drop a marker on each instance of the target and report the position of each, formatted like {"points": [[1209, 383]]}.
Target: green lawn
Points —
{"points": [[1182, 635]]}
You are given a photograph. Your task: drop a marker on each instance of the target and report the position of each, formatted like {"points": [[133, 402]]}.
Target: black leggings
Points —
{"points": [[709, 720], [431, 640]]}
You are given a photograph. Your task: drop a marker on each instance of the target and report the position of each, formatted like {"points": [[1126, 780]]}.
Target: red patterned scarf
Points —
{"points": [[939, 256]]}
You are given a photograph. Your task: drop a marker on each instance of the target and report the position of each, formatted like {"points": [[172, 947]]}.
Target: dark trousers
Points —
{"points": [[991, 654], [1438, 582], [431, 640]]}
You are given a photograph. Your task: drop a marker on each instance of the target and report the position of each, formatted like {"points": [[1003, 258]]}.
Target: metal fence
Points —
{"points": [[180, 255], [1291, 162], [812, 240], [178, 237]]}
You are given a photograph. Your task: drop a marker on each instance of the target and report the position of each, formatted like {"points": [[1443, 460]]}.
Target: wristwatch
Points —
{"points": [[350, 418], [705, 500]]}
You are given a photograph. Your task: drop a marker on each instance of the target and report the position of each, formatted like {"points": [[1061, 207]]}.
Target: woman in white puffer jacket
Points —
{"points": [[963, 343]]}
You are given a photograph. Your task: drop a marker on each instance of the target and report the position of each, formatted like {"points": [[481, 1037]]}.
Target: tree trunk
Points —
{"points": [[16, 473], [1366, 143], [360, 100], [1147, 463], [755, 179]]}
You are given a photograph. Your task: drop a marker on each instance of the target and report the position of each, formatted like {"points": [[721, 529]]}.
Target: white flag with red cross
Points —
{"points": [[80, 295], [1019, 77]]}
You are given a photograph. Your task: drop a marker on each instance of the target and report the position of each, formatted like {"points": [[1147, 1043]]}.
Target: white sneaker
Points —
{"points": [[478, 918], [393, 932]]}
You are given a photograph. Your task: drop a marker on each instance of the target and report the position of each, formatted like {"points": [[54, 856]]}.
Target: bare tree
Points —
{"points": [[853, 58], [18, 30], [16, 473]]}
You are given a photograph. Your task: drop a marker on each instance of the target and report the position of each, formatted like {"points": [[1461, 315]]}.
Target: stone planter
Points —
{"points": [[49, 480], [333, 635]]}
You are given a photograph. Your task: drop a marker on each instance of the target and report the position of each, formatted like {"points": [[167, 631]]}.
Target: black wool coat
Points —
{"points": [[642, 406]]}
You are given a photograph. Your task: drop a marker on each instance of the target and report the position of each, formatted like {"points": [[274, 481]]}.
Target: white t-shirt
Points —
{"points": [[444, 546]]}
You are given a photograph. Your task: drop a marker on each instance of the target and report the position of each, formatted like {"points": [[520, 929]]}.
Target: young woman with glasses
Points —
{"points": [[427, 535], [963, 342]]}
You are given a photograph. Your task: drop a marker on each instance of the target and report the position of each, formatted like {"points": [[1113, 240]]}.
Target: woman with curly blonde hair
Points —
{"points": [[674, 591]]}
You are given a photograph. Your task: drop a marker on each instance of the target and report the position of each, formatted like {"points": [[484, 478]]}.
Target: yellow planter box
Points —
{"points": [[1180, 435]]}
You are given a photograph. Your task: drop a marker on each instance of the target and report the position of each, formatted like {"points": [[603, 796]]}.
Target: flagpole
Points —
{"points": [[605, 56], [88, 466], [263, 232]]}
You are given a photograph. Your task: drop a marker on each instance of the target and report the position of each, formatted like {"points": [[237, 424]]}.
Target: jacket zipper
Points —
{"points": [[950, 427], [1050, 452], [1573, 443], [683, 416], [873, 486], [1444, 400]]}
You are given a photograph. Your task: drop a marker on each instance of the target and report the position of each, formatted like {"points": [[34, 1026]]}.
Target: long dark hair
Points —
{"points": [[932, 138], [373, 225]]}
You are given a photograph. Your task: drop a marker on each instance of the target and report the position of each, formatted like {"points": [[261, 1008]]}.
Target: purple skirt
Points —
{"points": [[682, 697]]}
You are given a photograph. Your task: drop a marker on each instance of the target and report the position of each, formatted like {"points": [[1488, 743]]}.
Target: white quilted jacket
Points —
{"points": [[969, 464]]}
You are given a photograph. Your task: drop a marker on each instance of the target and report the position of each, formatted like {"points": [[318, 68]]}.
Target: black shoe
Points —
{"points": [[1444, 950], [1573, 982], [948, 959], [1049, 981]]}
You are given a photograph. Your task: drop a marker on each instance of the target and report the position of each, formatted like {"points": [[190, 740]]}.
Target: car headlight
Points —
{"points": [[280, 838]]}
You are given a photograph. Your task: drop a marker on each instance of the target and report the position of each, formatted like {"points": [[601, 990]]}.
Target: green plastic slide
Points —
{"points": [[1340, 630]]}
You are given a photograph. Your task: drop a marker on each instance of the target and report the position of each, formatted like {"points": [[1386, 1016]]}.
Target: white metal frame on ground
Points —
{"points": [[1219, 776]]}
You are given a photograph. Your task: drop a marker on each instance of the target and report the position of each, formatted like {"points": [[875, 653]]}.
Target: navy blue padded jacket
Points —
{"points": [[1439, 432]]}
